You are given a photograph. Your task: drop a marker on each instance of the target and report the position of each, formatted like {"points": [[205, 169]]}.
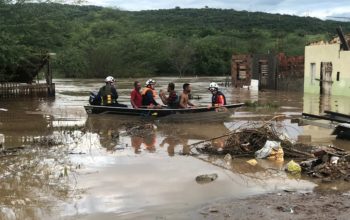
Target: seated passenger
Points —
{"points": [[184, 97], [136, 97], [149, 95], [218, 98], [109, 94], [172, 101]]}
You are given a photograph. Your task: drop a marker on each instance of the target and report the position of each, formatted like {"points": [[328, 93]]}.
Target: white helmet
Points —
{"points": [[213, 85], [150, 82], [109, 79]]}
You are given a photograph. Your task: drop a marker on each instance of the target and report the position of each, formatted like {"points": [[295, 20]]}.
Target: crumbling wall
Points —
{"points": [[274, 71], [241, 70], [290, 73]]}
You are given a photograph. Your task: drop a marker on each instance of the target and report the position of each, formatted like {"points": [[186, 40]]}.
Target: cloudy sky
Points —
{"points": [[314, 8]]}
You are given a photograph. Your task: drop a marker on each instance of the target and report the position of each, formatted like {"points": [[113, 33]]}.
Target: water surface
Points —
{"points": [[64, 163]]}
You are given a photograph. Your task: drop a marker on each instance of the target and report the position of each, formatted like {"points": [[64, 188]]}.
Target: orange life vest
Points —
{"points": [[145, 90]]}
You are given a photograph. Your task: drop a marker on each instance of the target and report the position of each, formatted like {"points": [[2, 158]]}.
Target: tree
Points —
{"points": [[72, 63], [212, 56], [180, 55]]}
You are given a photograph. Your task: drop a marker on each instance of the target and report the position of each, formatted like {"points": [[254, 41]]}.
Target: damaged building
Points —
{"points": [[327, 67], [272, 71]]}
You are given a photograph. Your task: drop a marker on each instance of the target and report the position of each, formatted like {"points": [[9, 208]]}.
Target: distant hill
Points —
{"points": [[93, 41]]}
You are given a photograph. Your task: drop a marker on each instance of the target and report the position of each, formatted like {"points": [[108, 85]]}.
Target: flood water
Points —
{"points": [[61, 164]]}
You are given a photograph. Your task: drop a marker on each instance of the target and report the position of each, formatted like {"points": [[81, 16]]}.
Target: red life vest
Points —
{"points": [[218, 99]]}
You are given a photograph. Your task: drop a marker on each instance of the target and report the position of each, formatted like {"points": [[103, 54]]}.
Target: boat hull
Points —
{"points": [[103, 110]]}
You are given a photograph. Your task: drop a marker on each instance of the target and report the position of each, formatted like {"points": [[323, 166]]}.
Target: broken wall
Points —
{"points": [[241, 70], [290, 73]]}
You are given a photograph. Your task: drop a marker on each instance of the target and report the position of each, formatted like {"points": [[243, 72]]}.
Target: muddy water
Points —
{"points": [[79, 167]]}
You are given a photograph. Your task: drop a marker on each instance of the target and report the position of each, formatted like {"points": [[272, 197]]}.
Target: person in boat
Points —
{"points": [[184, 97], [172, 101], [109, 94], [135, 96], [218, 98], [149, 95]]}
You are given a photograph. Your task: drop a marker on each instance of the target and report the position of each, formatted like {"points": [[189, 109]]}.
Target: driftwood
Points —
{"points": [[245, 142]]}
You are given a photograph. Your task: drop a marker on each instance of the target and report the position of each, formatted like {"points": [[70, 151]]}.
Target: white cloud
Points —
{"points": [[314, 8]]}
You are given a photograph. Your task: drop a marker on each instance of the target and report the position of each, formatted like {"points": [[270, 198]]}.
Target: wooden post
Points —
{"points": [[2, 140]]}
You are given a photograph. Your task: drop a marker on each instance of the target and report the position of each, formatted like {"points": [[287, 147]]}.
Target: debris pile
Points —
{"points": [[246, 142], [325, 162], [330, 164]]}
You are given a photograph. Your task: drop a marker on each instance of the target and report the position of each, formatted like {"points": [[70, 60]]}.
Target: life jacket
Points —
{"points": [[215, 98], [147, 101], [107, 95], [146, 89]]}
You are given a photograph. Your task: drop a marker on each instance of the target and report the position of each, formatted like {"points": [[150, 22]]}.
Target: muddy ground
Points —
{"points": [[283, 205]]}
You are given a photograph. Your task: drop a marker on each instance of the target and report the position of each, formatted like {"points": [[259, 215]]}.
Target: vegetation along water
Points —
{"points": [[92, 41]]}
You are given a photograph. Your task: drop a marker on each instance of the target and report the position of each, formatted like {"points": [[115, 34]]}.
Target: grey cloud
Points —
{"points": [[298, 7]]}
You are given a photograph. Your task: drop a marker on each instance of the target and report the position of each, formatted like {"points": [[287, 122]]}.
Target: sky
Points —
{"points": [[313, 8]]}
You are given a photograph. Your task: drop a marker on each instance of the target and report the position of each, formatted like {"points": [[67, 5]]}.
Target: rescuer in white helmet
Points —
{"points": [[108, 93], [149, 95], [218, 98]]}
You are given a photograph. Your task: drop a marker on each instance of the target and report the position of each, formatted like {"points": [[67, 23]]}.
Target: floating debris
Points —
{"points": [[206, 178], [252, 162], [293, 167]]}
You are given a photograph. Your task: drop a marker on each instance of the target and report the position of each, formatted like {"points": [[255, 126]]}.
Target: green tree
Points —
{"points": [[72, 63], [180, 55]]}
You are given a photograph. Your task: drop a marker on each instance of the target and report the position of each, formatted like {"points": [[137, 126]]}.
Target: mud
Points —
{"points": [[281, 205]]}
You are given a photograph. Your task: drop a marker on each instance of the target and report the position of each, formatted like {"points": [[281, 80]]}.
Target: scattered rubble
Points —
{"points": [[327, 162], [330, 164]]}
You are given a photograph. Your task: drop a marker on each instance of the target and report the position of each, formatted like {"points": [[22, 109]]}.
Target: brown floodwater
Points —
{"points": [[62, 164]]}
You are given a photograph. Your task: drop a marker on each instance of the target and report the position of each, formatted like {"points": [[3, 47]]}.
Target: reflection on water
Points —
{"points": [[89, 167], [171, 142], [318, 104], [137, 185]]}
